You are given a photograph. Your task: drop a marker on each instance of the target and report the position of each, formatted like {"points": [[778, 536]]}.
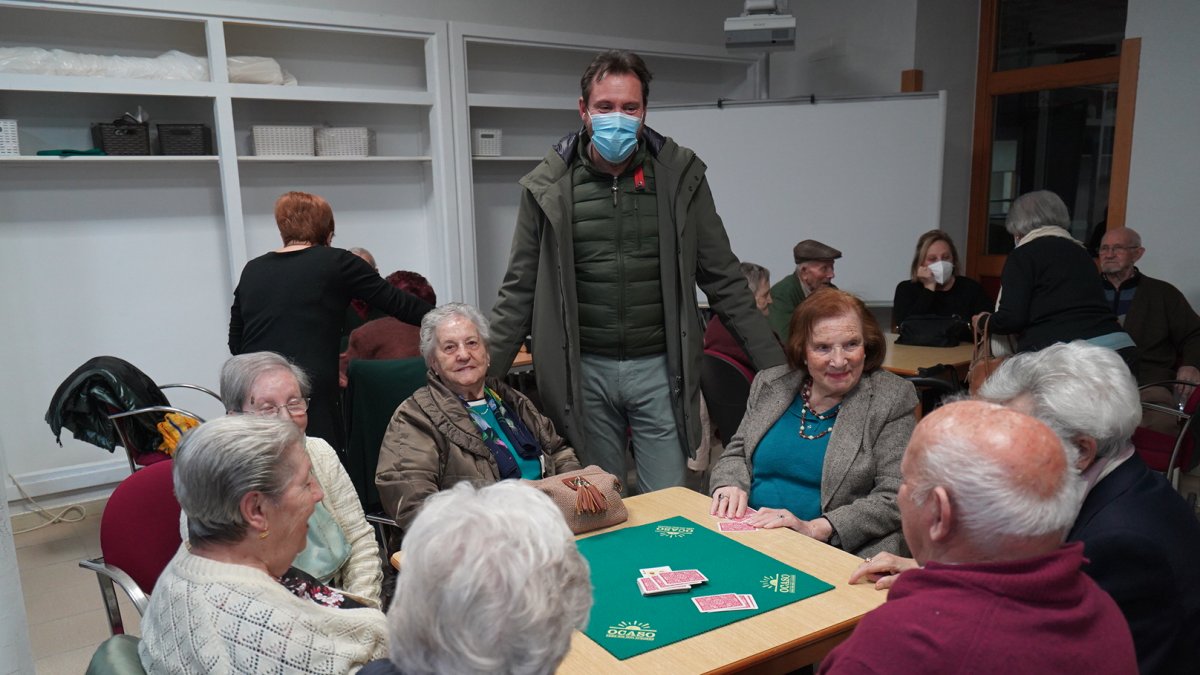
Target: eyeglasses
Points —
{"points": [[1113, 249], [296, 406]]}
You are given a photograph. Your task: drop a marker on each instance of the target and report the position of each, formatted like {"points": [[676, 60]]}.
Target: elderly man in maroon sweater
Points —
{"points": [[987, 496]]}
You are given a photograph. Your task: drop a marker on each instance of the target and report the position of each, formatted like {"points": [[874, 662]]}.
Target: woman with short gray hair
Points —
{"points": [[462, 425], [227, 601], [492, 583], [341, 548], [1050, 290]]}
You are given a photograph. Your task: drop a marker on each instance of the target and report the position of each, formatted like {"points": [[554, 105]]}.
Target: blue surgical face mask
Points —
{"points": [[615, 135]]}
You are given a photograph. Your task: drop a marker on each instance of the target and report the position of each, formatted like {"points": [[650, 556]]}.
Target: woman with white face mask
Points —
{"points": [[933, 287]]}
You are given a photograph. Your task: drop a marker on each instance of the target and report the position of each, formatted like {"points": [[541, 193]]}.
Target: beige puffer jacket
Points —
{"points": [[431, 444]]}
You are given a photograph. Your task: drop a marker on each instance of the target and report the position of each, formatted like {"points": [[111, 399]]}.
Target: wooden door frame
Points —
{"points": [[1122, 70]]}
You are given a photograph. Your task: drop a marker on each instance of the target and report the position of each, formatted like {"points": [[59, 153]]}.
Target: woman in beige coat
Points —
{"points": [[820, 446], [462, 425]]}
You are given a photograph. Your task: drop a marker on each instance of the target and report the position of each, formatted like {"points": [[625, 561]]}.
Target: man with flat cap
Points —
{"points": [[814, 269]]}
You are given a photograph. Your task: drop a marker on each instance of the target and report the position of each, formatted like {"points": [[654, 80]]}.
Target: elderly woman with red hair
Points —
{"points": [[820, 446], [292, 301], [388, 337]]}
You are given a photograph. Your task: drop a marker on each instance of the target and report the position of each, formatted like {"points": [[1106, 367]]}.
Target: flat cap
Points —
{"points": [[811, 249]]}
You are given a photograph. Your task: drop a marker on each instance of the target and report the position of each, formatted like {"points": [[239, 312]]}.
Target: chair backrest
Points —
{"points": [[726, 387], [139, 531], [933, 385], [373, 392]]}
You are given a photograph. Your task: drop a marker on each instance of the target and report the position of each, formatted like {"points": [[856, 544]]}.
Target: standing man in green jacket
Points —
{"points": [[616, 229], [814, 269]]}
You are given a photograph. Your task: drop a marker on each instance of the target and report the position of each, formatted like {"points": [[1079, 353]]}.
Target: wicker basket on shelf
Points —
{"points": [[283, 140], [122, 138], [343, 141]]}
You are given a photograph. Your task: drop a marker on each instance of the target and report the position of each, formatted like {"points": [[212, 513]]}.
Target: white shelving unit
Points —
{"points": [[526, 83], [393, 82]]}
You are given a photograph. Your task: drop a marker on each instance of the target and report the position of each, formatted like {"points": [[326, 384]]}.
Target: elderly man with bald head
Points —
{"points": [[987, 496], [1156, 315]]}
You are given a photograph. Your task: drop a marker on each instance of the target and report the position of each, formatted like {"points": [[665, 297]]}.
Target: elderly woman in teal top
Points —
{"points": [[819, 448]]}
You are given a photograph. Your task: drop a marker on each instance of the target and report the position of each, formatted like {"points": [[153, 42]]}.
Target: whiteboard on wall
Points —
{"points": [[861, 175]]}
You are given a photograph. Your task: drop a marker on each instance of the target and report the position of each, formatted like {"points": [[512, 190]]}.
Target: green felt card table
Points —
{"points": [[779, 639]]}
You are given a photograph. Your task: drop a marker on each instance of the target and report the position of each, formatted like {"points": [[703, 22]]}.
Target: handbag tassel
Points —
{"points": [[588, 498]]}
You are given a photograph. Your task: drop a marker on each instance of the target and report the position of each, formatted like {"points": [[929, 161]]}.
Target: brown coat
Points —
{"points": [[431, 444]]}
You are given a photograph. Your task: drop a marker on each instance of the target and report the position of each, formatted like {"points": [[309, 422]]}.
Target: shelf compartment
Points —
{"points": [[398, 130], [526, 133], [351, 160], [103, 33], [335, 58], [49, 121]]}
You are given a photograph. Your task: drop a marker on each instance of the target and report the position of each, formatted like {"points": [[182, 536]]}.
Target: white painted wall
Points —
{"points": [[76, 278], [1164, 204]]}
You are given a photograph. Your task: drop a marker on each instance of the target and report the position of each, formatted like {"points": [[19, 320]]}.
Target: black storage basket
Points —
{"points": [[122, 139], [184, 139]]}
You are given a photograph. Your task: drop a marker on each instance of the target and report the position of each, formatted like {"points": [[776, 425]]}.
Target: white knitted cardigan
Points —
{"points": [[213, 617], [362, 574]]}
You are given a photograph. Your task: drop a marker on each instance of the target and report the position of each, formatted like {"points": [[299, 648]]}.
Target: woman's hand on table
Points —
{"points": [[766, 518], [729, 501], [883, 569]]}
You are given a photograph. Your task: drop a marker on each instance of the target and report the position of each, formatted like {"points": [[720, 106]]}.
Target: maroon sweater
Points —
{"points": [[1038, 615]]}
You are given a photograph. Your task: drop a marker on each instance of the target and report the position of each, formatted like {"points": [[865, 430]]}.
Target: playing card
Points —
{"points": [[749, 601], [718, 603], [692, 577], [662, 585], [651, 571], [749, 512], [735, 526], [652, 586]]}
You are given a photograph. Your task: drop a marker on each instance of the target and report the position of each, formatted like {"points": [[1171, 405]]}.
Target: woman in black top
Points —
{"points": [[1050, 289], [293, 299], [922, 294]]}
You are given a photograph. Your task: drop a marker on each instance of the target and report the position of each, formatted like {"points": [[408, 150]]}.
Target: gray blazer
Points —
{"points": [[861, 473]]}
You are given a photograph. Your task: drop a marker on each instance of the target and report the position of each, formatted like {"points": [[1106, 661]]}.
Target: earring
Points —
{"points": [[264, 534]]}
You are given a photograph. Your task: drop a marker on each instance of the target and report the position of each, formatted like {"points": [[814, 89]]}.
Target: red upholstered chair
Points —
{"points": [[1169, 453], [139, 534]]}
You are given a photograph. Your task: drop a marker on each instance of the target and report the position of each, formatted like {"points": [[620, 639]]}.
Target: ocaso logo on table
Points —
{"points": [[632, 630], [780, 583]]}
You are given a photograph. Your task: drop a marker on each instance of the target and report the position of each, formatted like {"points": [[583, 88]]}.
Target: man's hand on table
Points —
{"points": [[883, 569]]}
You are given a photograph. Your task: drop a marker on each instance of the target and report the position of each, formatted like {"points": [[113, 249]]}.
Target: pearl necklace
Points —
{"points": [[805, 411]]}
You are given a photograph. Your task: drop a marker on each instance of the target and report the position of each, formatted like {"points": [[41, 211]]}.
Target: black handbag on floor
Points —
{"points": [[931, 330]]}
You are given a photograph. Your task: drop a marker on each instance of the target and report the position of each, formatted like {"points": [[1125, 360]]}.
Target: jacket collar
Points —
{"points": [[449, 416]]}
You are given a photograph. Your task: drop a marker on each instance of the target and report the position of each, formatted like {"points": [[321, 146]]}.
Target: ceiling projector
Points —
{"points": [[760, 31]]}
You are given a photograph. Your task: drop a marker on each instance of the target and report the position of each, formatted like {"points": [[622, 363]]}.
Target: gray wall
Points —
{"points": [[1164, 203]]}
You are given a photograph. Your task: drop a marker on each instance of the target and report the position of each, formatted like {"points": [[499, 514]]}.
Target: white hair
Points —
{"points": [[491, 583], [222, 460], [1077, 389], [443, 313], [240, 372], [991, 504], [1032, 210]]}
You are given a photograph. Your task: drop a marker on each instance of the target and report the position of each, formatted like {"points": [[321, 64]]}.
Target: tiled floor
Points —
{"points": [[62, 600]]}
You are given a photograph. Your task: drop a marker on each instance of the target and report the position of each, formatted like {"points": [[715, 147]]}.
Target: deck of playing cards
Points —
{"points": [[660, 580], [738, 524], [725, 602]]}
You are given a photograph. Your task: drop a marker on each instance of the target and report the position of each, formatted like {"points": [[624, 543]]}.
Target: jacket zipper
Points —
{"points": [[620, 271]]}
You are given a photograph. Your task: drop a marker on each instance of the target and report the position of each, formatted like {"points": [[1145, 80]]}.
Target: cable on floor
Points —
{"points": [[51, 517]]}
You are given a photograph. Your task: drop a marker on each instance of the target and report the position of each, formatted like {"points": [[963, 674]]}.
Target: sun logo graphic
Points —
{"points": [[673, 531], [780, 583], [632, 630]]}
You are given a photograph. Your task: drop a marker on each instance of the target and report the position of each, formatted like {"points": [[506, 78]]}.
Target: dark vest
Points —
{"points": [[617, 280]]}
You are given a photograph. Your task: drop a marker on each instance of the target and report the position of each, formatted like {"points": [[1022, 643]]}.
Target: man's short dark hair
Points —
{"points": [[615, 62]]}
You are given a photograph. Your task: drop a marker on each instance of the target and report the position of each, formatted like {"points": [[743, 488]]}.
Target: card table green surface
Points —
{"points": [[775, 640]]}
